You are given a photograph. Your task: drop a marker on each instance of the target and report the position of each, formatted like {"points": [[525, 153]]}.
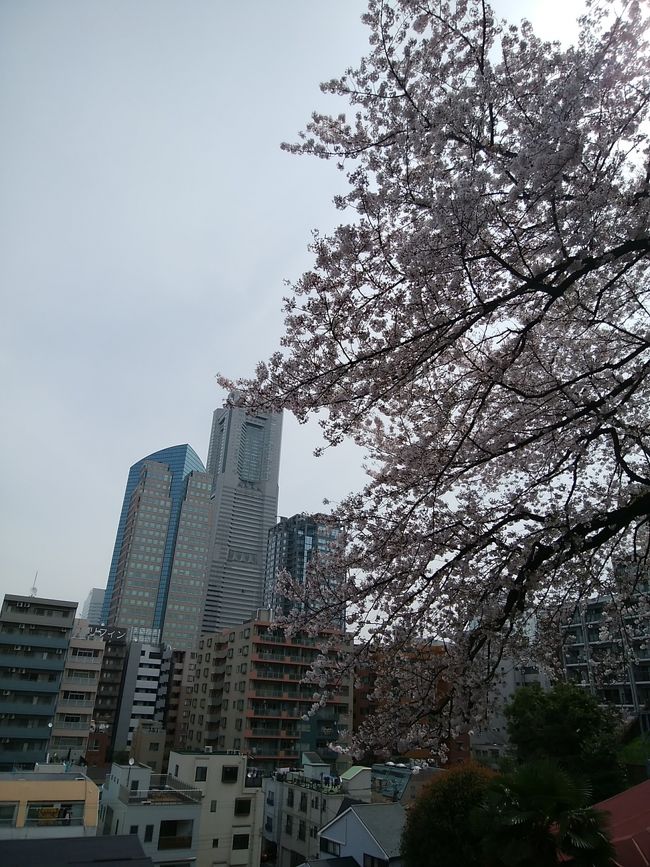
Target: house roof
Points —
{"points": [[384, 823], [629, 825], [312, 758], [352, 772], [122, 851]]}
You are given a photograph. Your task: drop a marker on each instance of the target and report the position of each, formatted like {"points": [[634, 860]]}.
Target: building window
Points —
{"points": [[302, 830], [133, 829], [148, 833], [213, 806], [229, 774], [303, 802], [372, 861], [240, 841], [7, 815], [242, 806], [153, 748], [330, 847], [289, 797], [288, 825], [215, 842], [175, 834], [201, 774]]}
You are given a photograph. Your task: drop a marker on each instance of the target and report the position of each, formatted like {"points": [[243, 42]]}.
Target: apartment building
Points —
{"points": [[161, 810], [34, 638], [73, 721], [109, 693], [297, 804], [52, 804], [610, 654], [231, 807], [248, 695]]}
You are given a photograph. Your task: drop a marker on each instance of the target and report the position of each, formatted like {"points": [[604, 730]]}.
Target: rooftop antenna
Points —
{"points": [[34, 590]]}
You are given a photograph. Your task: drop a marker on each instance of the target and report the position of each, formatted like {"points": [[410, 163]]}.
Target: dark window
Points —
{"points": [[303, 802], [242, 806], [229, 774], [213, 806], [148, 833], [302, 830], [240, 841], [215, 842], [372, 861], [201, 774], [133, 829], [288, 824], [290, 798], [330, 847]]}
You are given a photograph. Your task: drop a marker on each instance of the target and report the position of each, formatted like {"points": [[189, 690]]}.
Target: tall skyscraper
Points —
{"points": [[244, 460], [157, 576], [92, 607], [293, 543]]}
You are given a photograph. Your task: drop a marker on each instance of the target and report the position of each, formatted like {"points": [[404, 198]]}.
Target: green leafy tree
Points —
{"points": [[566, 724], [437, 832], [539, 816]]}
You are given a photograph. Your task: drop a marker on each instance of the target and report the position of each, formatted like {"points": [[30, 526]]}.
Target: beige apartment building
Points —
{"points": [[248, 696], [73, 722], [56, 803]]}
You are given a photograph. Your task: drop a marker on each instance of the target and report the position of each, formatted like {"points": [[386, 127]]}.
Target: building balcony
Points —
{"points": [[271, 733], [25, 708], [175, 842], [16, 684], [32, 662], [164, 790], [66, 702], [31, 638], [21, 731], [23, 757]]}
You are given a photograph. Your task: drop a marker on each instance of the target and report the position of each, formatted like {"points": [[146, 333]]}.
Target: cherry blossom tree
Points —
{"points": [[478, 323]]}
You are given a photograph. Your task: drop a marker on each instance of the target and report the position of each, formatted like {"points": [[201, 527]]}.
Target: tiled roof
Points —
{"points": [[629, 825]]}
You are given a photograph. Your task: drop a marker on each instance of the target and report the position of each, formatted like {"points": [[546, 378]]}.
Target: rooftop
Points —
{"points": [[80, 851], [629, 824], [37, 776], [163, 789], [384, 823]]}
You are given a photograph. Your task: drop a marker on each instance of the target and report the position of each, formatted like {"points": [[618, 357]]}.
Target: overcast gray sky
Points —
{"points": [[148, 220]]}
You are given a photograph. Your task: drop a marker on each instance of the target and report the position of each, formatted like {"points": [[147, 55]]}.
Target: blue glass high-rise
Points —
{"points": [[159, 488]]}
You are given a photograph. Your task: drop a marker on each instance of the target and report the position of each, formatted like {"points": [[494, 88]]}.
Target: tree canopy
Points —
{"points": [[537, 816], [478, 322], [437, 831], [566, 724]]}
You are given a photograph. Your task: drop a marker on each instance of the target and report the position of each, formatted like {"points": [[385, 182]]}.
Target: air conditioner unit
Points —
{"points": [[207, 749]]}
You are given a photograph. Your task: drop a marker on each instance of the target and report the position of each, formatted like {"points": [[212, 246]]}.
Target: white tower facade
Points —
{"points": [[244, 460]]}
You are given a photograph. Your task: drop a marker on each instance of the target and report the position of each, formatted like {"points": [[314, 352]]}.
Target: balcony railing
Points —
{"points": [[163, 789], [184, 842]]}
